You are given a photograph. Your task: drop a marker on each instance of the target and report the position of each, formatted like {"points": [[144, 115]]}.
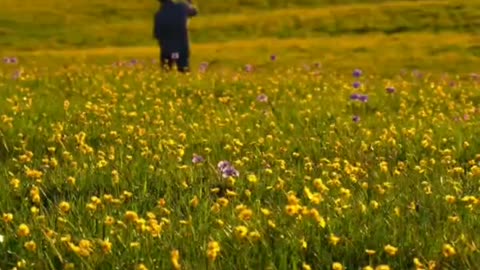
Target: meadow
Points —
{"points": [[309, 135]]}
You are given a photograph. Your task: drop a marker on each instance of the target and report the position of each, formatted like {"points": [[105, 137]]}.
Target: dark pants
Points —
{"points": [[180, 59]]}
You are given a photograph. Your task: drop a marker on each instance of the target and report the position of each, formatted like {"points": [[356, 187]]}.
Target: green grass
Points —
{"points": [[384, 180], [96, 150]]}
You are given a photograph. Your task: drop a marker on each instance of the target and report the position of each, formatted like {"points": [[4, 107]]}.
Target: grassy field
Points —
{"points": [[309, 135], [107, 167]]}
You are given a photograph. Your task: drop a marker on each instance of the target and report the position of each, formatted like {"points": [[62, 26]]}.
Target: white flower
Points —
{"points": [[1, 238]]}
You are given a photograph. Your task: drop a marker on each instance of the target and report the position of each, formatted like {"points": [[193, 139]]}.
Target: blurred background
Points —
{"points": [[344, 33]]}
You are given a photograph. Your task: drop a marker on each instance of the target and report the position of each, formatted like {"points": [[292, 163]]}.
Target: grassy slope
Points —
{"points": [[386, 54], [121, 24]]}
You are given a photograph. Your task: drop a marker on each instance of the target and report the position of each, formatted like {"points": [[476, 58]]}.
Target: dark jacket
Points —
{"points": [[170, 26]]}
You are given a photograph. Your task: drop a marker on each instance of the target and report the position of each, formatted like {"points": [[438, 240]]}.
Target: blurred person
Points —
{"points": [[170, 30]]}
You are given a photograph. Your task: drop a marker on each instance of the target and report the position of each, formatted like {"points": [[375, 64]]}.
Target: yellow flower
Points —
{"points": [[448, 250], [254, 236], [7, 217], [252, 178], [450, 199], [131, 216], [418, 264], [194, 202], [64, 207], [382, 267], [245, 214], [223, 201], [109, 221], [30, 246], [370, 252], [305, 266], [241, 231], [135, 245], [292, 209], [213, 250], [15, 183], [23, 230], [333, 239], [141, 267], [390, 250], [337, 266], [106, 246], [368, 267], [175, 257], [85, 248]]}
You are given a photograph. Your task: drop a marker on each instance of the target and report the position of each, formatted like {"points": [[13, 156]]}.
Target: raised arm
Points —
{"points": [[191, 9]]}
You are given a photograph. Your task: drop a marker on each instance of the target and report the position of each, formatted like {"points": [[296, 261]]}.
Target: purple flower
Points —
{"points": [[363, 98], [230, 172], [356, 118], [223, 164], [354, 96], [203, 67], [248, 68], [357, 73], [390, 89], [262, 98], [357, 85], [273, 57], [10, 60], [227, 169], [197, 159]]}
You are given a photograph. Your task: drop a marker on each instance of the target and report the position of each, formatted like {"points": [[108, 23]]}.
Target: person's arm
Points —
{"points": [[191, 9]]}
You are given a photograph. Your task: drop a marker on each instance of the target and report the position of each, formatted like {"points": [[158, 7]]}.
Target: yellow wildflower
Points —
{"points": [[390, 250], [448, 250], [23, 230]]}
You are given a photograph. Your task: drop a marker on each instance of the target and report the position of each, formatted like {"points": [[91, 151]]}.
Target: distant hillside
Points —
{"points": [[96, 23]]}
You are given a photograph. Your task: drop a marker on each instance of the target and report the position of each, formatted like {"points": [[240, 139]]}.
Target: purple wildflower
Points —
{"points": [[357, 73], [6, 60], [248, 68], [356, 118], [223, 164], [203, 67], [227, 169], [357, 85], [390, 89], [363, 98], [262, 98], [197, 159], [273, 57], [354, 96], [230, 171]]}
